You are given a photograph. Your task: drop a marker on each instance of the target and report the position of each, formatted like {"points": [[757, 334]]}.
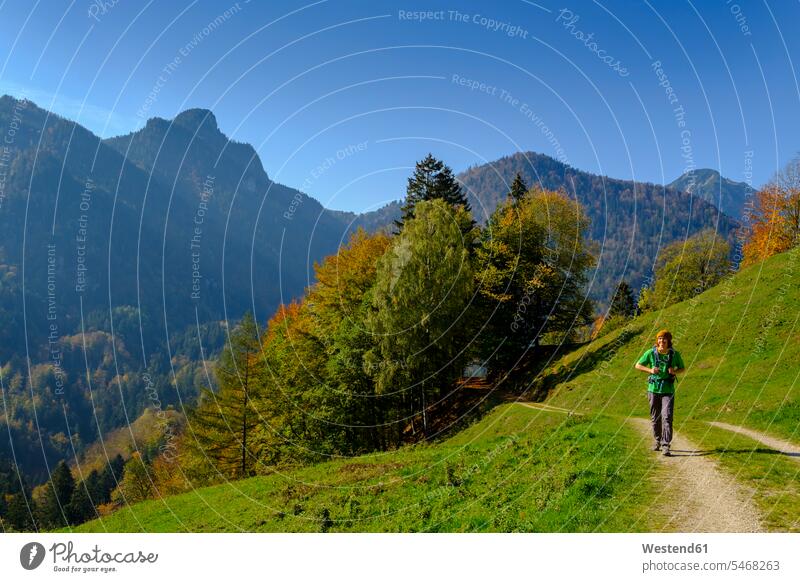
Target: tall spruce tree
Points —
{"points": [[80, 507], [222, 424], [53, 509], [110, 478], [432, 180], [622, 304], [518, 188]]}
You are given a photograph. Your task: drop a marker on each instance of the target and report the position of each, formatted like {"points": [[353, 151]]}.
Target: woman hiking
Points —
{"points": [[663, 364]]}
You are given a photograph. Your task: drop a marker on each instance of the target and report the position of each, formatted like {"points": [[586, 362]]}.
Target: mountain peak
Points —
{"points": [[195, 119], [691, 180], [726, 194]]}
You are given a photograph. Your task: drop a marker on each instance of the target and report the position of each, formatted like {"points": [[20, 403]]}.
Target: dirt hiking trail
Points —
{"points": [[703, 497], [783, 447]]}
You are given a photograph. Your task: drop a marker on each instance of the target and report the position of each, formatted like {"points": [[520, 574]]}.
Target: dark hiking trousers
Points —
{"points": [[661, 407]]}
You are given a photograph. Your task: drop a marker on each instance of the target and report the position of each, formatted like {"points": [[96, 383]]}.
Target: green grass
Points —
{"points": [[518, 469], [740, 342]]}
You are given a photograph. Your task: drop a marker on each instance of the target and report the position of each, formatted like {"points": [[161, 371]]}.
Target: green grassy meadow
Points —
{"points": [[520, 469], [740, 342]]}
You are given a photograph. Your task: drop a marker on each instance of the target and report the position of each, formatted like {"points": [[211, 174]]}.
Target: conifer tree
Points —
{"points": [[518, 188], [80, 507], [94, 487], [622, 304], [432, 180], [58, 493], [111, 477]]}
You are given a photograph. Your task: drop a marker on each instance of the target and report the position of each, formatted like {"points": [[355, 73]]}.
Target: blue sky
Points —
{"points": [[340, 98]]}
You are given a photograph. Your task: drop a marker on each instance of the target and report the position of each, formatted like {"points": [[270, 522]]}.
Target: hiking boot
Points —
{"points": [[657, 446], [665, 451]]}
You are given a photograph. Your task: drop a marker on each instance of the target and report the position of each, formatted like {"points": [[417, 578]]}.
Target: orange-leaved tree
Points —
{"points": [[775, 217]]}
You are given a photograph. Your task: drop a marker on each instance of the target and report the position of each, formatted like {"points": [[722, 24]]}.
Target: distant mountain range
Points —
{"points": [[630, 221], [133, 250], [148, 241]]}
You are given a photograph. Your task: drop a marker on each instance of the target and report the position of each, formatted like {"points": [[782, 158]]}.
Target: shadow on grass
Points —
{"points": [[459, 410], [545, 379], [759, 451], [684, 453], [465, 406], [726, 451]]}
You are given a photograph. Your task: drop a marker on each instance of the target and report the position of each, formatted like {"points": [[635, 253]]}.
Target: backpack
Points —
{"points": [[654, 378]]}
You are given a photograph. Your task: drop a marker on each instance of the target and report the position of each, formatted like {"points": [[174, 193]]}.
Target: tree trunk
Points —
{"points": [[244, 421], [424, 414]]}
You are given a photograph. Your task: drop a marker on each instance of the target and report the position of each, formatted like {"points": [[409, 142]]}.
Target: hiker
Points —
{"points": [[663, 364]]}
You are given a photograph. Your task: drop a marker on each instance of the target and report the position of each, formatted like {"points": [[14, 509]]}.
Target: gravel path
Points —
{"points": [[703, 497], [783, 447]]}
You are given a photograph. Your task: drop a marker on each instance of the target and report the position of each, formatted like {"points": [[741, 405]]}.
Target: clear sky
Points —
{"points": [[340, 97]]}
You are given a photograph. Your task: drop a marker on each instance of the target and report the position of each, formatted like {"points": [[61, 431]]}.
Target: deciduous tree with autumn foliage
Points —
{"points": [[221, 425], [775, 216], [369, 358]]}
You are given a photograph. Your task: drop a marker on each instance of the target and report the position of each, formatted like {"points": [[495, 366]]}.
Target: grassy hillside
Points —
{"points": [[741, 345], [518, 469], [740, 342], [527, 469]]}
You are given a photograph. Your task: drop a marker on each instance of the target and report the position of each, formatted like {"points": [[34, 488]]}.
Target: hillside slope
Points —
{"points": [[518, 469], [738, 402], [741, 344], [534, 468]]}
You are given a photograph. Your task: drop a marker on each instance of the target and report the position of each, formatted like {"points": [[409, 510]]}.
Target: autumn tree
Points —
{"points": [[531, 273], [686, 268], [222, 422], [775, 216], [296, 407], [137, 484], [424, 285], [341, 302]]}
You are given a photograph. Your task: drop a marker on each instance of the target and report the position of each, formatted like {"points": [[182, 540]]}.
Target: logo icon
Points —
{"points": [[31, 555]]}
